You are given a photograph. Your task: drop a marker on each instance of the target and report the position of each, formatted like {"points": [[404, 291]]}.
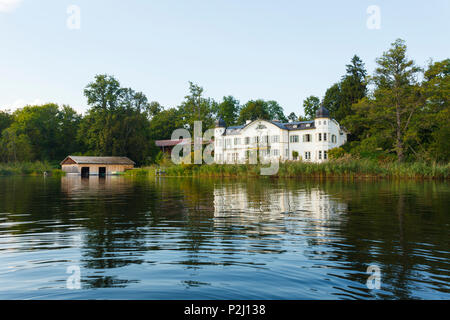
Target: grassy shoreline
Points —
{"points": [[330, 169], [30, 169], [355, 168]]}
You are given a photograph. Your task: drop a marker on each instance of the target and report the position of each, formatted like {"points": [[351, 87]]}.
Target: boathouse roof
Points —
{"points": [[97, 160]]}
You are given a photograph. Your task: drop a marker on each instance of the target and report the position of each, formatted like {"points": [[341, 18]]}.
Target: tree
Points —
{"points": [[253, 110], [15, 147], [333, 99], [164, 123], [353, 88], [396, 94], [197, 108], [275, 111], [434, 131], [340, 97], [6, 120], [117, 123], [310, 106], [385, 119], [153, 109], [228, 110], [42, 126]]}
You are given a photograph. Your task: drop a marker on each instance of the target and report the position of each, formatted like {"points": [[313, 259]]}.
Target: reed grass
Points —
{"points": [[332, 168], [29, 168]]}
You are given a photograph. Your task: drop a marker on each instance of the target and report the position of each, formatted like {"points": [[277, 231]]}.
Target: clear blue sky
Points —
{"points": [[280, 50]]}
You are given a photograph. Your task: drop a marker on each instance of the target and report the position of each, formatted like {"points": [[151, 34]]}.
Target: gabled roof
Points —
{"points": [[295, 125], [99, 160]]}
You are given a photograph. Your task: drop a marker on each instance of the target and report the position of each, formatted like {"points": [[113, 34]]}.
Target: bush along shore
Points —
{"points": [[30, 168], [297, 169]]}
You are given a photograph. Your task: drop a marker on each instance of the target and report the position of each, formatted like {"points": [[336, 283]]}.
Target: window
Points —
{"points": [[293, 139], [320, 137], [306, 138], [325, 155], [333, 138], [237, 141], [265, 139], [324, 137], [275, 139], [255, 139], [320, 123], [228, 143], [276, 152], [324, 122], [307, 155], [320, 155], [247, 140]]}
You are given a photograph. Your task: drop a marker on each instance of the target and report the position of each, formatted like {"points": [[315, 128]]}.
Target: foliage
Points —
{"points": [[253, 110], [228, 110], [336, 153], [310, 106], [117, 122], [343, 167]]}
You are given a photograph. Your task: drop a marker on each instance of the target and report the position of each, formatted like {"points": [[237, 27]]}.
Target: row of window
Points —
{"points": [[308, 138], [322, 155], [275, 139]]}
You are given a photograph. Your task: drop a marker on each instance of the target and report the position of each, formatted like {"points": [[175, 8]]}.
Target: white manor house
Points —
{"points": [[303, 140]]}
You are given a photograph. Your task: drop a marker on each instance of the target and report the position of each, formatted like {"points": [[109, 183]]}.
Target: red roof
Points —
{"points": [[171, 143]]}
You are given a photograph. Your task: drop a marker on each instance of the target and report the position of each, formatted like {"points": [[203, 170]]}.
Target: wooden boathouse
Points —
{"points": [[96, 166]]}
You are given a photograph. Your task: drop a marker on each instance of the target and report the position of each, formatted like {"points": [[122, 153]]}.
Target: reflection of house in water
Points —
{"points": [[287, 209], [75, 185]]}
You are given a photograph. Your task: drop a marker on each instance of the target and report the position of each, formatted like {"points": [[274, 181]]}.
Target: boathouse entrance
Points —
{"points": [[102, 172], [85, 172]]}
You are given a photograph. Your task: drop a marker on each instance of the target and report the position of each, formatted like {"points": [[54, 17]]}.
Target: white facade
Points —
{"points": [[306, 140]]}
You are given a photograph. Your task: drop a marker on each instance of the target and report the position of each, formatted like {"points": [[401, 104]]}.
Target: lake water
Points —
{"points": [[173, 238]]}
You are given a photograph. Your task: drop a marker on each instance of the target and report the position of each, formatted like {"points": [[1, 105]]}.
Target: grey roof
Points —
{"points": [[322, 112], [296, 125], [220, 123], [100, 160]]}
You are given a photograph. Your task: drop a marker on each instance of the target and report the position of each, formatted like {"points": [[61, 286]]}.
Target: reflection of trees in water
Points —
{"points": [[400, 226], [386, 224]]}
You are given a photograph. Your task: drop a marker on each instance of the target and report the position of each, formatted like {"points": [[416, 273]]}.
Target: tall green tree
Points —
{"points": [[117, 122], [395, 103], [15, 147], [333, 99], [353, 88], [228, 110], [195, 107], [6, 120], [276, 112], [340, 97], [434, 129], [310, 106], [42, 125]]}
